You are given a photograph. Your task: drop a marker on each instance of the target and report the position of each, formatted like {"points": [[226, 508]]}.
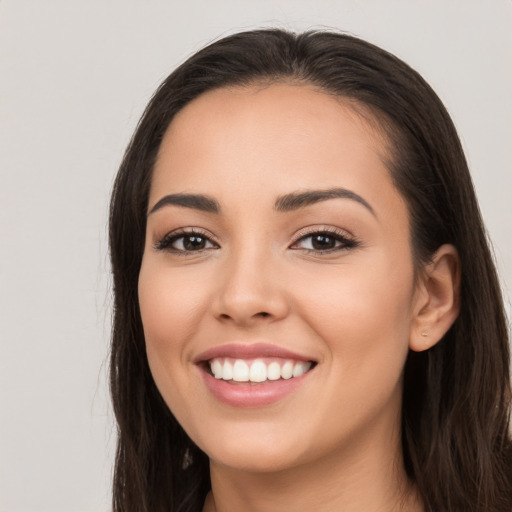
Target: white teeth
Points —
{"points": [[258, 372], [300, 369], [273, 371], [217, 369], [227, 373], [287, 370], [240, 370]]}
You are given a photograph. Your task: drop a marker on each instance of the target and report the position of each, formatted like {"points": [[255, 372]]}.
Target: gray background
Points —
{"points": [[75, 76]]}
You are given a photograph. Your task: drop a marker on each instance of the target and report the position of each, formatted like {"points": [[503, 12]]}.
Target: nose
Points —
{"points": [[251, 290]]}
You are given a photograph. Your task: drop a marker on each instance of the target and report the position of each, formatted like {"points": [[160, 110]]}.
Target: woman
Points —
{"points": [[307, 315]]}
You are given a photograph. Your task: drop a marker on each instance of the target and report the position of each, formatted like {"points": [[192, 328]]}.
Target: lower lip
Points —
{"points": [[246, 394]]}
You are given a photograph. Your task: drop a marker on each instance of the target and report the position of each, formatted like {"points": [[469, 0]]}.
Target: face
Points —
{"points": [[277, 284]]}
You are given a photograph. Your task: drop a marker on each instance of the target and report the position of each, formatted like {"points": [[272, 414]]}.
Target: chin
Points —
{"points": [[262, 450], [254, 459]]}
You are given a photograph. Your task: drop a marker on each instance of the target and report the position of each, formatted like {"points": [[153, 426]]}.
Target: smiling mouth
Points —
{"points": [[256, 371]]}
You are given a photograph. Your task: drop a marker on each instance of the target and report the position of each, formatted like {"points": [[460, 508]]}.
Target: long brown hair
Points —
{"points": [[456, 402]]}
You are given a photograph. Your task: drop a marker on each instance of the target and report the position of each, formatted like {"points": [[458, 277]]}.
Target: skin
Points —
{"points": [[334, 443]]}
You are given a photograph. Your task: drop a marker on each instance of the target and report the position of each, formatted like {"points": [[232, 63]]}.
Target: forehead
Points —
{"points": [[307, 109], [269, 139]]}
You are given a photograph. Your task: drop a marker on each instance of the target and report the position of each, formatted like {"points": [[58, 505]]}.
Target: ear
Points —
{"points": [[437, 300]]}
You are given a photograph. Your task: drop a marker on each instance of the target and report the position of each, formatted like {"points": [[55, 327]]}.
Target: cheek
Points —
{"points": [[170, 305], [364, 323], [170, 310], [170, 319], [364, 316]]}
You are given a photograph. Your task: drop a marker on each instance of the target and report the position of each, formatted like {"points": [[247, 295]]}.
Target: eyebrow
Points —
{"points": [[285, 203], [295, 201], [195, 201]]}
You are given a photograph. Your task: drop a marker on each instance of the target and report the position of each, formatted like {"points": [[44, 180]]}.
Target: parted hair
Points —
{"points": [[456, 398]]}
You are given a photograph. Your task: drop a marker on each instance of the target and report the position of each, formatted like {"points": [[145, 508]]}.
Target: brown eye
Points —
{"points": [[193, 243], [185, 242], [324, 241]]}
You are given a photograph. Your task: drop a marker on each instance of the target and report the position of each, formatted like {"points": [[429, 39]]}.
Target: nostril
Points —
{"points": [[255, 316]]}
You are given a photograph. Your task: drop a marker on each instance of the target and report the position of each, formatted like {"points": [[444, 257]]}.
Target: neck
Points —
{"points": [[370, 478]]}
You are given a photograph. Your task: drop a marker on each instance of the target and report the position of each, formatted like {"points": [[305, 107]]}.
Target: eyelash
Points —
{"points": [[165, 244], [345, 242]]}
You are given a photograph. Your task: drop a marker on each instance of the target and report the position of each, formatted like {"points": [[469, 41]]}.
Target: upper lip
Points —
{"points": [[252, 351]]}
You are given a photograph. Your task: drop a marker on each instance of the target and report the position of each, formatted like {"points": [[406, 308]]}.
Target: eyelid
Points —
{"points": [[348, 240], [323, 228], [164, 243]]}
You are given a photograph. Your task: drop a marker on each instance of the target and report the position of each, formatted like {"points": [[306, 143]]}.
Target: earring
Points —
{"points": [[424, 334]]}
